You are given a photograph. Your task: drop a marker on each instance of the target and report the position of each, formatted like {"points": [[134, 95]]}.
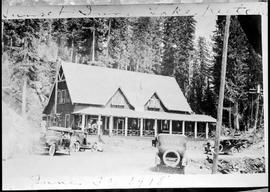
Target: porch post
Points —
{"points": [[141, 128], [99, 125], [155, 127], [183, 128], [110, 125], [83, 122], [206, 130], [195, 129], [105, 123], [126, 125], [170, 127]]}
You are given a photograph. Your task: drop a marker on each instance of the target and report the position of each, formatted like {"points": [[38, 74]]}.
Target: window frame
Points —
{"points": [[63, 96], [67, 116], [154, 104], [59, 96]]}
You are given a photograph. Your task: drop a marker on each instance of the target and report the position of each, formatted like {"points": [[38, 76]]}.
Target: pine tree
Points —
{"points": [[239, 68], [178, 46]]}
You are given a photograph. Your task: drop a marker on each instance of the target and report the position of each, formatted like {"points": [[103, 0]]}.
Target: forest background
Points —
{"points": [[157, 45]]}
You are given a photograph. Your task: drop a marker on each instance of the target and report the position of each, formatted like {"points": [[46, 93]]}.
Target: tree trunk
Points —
{"points": [[73, 56], [235, 113], [261, 116], [93, 46], [221, 94], [108, 40], [24, 89], [251, 118], [257, 111], [230, 119]]}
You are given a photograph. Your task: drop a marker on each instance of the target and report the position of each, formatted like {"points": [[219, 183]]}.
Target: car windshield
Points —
{"points": [[53, 133]]}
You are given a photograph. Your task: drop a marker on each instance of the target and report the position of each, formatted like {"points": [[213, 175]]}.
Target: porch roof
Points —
{"points": [[145, 114]]}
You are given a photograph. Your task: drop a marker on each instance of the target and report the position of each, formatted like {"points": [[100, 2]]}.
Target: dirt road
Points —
{"points": [[121, 157]]}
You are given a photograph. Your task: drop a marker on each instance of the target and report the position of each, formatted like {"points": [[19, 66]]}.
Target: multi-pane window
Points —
{"points": [[59, 96], [63, 96], [67, 97], [67, 120], [154, 104]]}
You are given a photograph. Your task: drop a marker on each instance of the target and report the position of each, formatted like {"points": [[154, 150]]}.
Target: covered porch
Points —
{"points": [[113, 121]]}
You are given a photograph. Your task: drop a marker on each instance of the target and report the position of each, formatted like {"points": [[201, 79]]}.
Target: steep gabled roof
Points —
{"points": [[96, 85]]}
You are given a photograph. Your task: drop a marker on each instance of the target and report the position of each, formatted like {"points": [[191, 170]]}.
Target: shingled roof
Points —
{"points": [[96, 85]]}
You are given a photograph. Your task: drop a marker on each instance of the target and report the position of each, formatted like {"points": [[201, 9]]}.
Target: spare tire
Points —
{"points": [[171, 158], [52, 150]]}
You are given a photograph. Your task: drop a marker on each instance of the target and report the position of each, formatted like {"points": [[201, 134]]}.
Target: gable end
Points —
{"points": [[154, 104], [119, 100]]}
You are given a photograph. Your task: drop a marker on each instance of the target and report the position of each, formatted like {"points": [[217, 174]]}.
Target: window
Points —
{"points": [[63, 96], [67, 97], [71, 121], [59, 96], [67, 120], [154, 104], [49, 120], [54, 121]]}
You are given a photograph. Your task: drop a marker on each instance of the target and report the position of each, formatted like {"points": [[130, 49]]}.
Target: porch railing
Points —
{"points": [[133, 132], [189, 133], [201, 134], [92, 131], [148, 133], [118, 132]]}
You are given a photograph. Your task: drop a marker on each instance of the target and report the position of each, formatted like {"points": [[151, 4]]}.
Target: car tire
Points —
{"points": [[52, 149], [167, 161], [220, 148], [75, 147]]}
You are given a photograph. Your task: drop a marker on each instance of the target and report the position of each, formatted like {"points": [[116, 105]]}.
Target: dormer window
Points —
{"points": [[154, 104], [118, 101]]}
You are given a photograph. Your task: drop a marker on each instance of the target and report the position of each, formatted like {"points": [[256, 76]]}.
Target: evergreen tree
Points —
{"points": [[239, 68], [200, 94], [178, 41]]}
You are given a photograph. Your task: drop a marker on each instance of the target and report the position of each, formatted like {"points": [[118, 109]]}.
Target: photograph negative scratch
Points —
{"points": [[118, 95]]}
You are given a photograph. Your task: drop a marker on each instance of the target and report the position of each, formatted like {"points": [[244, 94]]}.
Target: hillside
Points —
{"points": [[17, 133]]}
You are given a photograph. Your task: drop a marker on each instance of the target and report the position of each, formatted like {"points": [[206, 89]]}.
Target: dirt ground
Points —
{"points": [[121, 156]]}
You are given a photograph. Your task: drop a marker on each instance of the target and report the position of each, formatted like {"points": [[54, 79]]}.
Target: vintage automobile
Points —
{"points": [[171, 150], [56, 140], [79, 141], [228, 145]]}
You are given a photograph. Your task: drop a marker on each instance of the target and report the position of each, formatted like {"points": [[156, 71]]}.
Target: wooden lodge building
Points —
{"points": [[120, 102]]}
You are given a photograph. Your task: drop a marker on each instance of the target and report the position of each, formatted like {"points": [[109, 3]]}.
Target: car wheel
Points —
{"points": [[75, 147], [52, 150], [171, 158], [220, 148]]}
